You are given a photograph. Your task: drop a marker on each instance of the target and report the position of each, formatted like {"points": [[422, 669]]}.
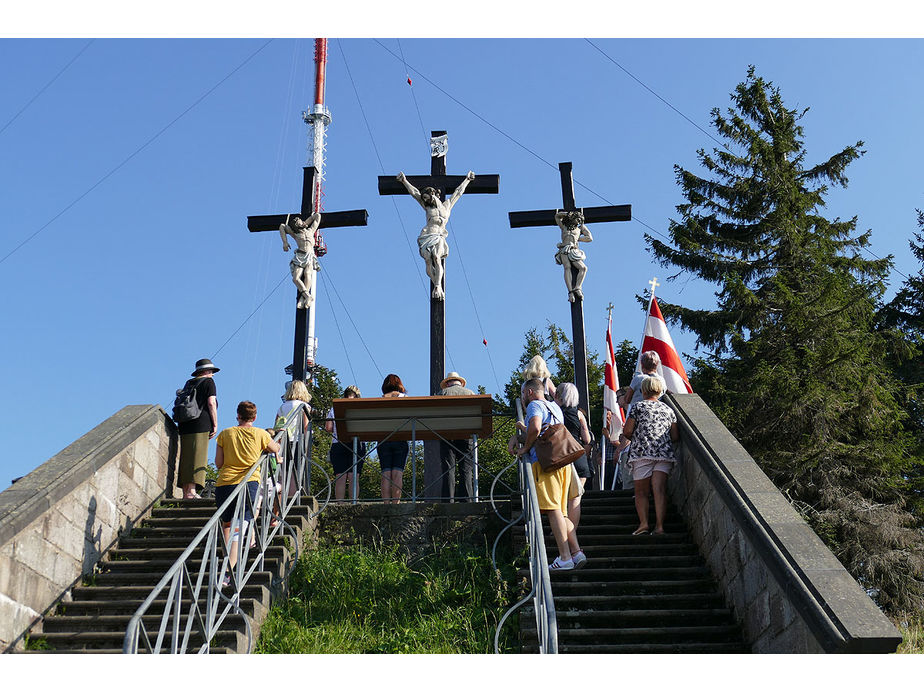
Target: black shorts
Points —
{"points": [[222, 493], [341, 457], [393, 454]]}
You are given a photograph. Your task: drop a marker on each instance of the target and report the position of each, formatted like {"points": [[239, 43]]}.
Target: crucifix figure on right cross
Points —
{"points": [[569, 255]]}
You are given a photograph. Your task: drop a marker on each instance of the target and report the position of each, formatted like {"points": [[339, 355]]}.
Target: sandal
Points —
{"points": [[640, 531]]}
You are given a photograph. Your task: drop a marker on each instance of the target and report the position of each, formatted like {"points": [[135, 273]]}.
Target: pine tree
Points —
{"points": [[795, 369], [903, 321]]}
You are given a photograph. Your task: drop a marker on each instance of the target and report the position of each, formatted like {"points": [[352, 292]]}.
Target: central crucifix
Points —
{"points": [[571, 222], [430, 191]]}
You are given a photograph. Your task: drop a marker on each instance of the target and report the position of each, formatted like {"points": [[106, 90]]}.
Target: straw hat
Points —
{"points": [[452, 376]]}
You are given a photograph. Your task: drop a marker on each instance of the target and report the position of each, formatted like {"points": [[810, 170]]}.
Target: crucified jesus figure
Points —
{"points": [[432, 238], [303, 263], [569, 255]]}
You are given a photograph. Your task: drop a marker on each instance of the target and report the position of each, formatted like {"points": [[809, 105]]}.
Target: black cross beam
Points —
{"points": [[546, 217], [271, 222], [443, 184]]}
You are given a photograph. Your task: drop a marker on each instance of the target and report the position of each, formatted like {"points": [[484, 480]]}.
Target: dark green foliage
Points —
{"points": [[363, 599], [902, 323], [796, 369]]}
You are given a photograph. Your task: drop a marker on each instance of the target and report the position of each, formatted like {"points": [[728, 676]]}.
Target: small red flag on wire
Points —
{"points": [[485, 342], [409, 81]]}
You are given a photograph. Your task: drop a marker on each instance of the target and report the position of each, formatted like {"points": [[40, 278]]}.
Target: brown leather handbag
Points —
{"points": [[556, 447]]}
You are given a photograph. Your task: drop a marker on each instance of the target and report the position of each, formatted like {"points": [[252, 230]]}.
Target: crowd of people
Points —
{"points": [[456, 481], [641, 457]]}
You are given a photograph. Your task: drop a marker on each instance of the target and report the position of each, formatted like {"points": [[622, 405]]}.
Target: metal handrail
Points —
{"points": [[541, 585], [209, 605]]}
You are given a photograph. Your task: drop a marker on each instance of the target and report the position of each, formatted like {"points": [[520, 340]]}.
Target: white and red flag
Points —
{"points": [[611, 385], [656, 338]]}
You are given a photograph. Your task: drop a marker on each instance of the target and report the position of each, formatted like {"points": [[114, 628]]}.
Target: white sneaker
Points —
{"points": [[579, 559], [559, 564]]}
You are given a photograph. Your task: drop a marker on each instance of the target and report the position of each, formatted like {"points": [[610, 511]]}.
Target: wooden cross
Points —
{"points": [[443, 184], [271, 222], [483, 184], [546, 217]]}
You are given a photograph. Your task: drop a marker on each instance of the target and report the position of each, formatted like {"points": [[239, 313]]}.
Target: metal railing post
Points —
{"points": [[475, 466], [355, 490], [413, 460]]}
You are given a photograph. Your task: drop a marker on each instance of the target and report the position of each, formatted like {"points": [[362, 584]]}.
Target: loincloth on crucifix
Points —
{"points": [[301, 260], [569, 251], [433, 244]]}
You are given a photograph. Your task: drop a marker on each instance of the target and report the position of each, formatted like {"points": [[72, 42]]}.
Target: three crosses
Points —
{"points": [[443, 183]]}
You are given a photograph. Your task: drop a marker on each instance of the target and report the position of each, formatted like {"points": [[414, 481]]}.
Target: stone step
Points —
{"points": [[656, 562], [590, 574], [150, 579], [104, 623], [157, 553], [91, 607], [252, 590], [602, 549], [128, 569], [135, 546], [569, 618], [233, 640], [648, 648], [611, 602], [644, 635], [658, 586]]}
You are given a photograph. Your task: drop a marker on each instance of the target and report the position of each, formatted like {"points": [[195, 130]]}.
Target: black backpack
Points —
{"points": [[186, 406]]}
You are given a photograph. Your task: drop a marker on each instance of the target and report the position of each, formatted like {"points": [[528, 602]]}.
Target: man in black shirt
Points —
{"points": [[195, 434]]}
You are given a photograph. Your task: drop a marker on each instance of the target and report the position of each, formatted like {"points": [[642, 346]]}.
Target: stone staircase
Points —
{"points": [[96, 619], [645, 594]]}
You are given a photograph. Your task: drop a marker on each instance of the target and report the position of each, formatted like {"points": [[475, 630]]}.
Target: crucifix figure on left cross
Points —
{"points": [[303, 227]]}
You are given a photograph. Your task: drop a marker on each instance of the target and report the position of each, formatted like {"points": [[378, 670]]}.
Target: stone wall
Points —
{"points": [[788, 591], [416, 527], [58, 521]]}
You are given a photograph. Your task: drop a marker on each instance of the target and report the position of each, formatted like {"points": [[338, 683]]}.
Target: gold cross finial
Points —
{"points": [[654, 284]]}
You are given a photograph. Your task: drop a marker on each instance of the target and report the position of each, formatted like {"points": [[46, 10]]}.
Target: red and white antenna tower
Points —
{"points": [[318, 118]]}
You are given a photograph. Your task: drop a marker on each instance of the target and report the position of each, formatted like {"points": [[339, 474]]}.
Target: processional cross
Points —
{"points": [[299, 224], [434, 249], [572, 222]]}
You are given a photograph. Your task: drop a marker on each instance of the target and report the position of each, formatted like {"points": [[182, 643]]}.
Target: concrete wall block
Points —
{"points": [[758, 614], [17, 616], [145, 453]]}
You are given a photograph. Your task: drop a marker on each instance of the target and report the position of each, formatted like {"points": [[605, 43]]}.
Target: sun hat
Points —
{"points": [[452, 376], [204, 365]]}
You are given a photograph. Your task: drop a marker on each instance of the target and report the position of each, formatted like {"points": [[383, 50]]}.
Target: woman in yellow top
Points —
{"points": [[238, 449]]}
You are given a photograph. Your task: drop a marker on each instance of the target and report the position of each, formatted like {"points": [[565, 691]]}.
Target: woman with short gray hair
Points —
{"points": [[649, 362]]}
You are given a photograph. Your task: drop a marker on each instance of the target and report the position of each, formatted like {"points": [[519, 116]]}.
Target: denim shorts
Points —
{"points": [[393, 454]]}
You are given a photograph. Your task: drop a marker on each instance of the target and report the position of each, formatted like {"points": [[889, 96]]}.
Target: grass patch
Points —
{"points": [[373, 599], [913, 634]]}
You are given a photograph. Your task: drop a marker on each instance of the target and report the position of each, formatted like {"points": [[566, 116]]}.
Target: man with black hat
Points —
{"points": [[456, 451], [195, 434]]}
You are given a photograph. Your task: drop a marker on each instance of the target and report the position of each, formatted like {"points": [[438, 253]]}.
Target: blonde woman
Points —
{"points": [[537, 368], [651, 425]]}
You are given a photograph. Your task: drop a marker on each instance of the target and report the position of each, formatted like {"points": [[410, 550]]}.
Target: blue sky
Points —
{"points": [[129, 167]]}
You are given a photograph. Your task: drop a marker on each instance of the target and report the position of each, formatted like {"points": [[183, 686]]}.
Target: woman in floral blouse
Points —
{"points": [[651, 425]]}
